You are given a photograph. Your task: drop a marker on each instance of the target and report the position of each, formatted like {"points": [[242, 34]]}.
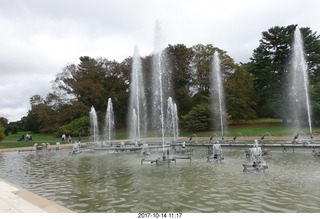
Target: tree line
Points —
{"points": [[252, 90]]}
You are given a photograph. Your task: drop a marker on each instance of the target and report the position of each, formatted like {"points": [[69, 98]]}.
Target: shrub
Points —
{"points": [[198, 118], [76, 127]]}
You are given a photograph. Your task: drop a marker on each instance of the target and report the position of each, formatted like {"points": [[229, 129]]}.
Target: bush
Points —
{"points": [[198, 118], [14, 129], [76, 127]]}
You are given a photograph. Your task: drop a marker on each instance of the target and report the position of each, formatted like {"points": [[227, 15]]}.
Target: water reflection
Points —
{"points": [[104, 182]]}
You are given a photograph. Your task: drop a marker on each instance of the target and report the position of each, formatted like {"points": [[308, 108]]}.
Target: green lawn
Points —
{"points": [[11, 141], [272, 127]]}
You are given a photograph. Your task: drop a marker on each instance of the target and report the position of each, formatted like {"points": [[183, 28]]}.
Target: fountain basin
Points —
{"points": [[114, 183]]}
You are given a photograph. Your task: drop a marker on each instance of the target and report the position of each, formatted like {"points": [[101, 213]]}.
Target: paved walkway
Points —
{"points": [[14, 199]]}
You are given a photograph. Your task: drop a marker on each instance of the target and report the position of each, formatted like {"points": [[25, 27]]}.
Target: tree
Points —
{"points": [[199, 118], [3, 121], [269, 67], [315, 96], [201, 65], [91, 83], [180, 61], [241, 103], [2, 135], [32, 122]]}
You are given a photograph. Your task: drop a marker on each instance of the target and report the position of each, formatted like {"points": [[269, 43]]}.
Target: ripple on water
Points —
{"points": [[119, 183]]}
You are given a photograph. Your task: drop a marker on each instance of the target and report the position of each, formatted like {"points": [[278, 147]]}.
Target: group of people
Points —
{"points": [[69, 139], [64, 137], [28, 138]]}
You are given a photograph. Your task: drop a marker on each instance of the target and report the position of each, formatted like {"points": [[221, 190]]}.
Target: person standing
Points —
{"points": [[63, 137]]}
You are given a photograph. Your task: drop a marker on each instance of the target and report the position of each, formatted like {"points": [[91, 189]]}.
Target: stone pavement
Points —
{"points": [[14, 199]]}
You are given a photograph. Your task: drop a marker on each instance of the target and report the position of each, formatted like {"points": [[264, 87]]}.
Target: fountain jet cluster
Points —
{"points": [[162, 120], [108, 128]]}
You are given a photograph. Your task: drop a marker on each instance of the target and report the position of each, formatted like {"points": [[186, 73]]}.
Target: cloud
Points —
{"points": [[38, 38]]}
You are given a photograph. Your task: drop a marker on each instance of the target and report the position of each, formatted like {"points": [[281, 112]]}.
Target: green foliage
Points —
{"points": [[241, 103], [3, 121], [315, 96], [93, 81], [77, 127], [269, 65], [2, 135], [201, 63], [254, 89], [32, 123], [14, 129], [198, 118], [180, 58], [88, 84]]}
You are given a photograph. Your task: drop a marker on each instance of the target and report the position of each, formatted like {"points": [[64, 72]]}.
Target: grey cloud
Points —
{"points": [[38, 38]]}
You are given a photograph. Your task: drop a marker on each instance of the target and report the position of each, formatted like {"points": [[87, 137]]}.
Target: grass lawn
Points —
{"points": [[11, 141], [272, 127]]}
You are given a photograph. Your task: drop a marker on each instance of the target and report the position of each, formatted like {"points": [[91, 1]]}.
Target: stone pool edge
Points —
{"points": [[14, 199]]}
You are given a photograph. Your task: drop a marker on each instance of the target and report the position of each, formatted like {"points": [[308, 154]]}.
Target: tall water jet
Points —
{"points": [[161, 83], [109, 122], [172, 120], [217, 94], [298, 84], [134, 127], [138, 114], [94, 129]]}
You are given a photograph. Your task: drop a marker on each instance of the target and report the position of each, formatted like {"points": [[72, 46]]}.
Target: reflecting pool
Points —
{"points": [[100, 181]]}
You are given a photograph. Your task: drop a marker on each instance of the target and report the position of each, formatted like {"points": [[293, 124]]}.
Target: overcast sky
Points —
{"points": [[40, 37]]}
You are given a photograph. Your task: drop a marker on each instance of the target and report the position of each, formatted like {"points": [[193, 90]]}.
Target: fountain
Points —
{"points": [[215, 153], [108, 128], [134, 126], [212, 136], [217, 94], [75, 149], [138, 114], [234, 140], [257, 163], [94, 126], [265, 151], [105, 182], [298, 84], [109, 122], [172, 120], [264, 136], [145, 150], [161, 84], [160, 161], [194, 136], [316, 153]]}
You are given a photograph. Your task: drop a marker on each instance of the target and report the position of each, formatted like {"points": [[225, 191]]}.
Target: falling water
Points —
{"points": [[160, 85], [172, 119], [217, 93], [138, 114], [94, 125], [134, 126], [298, 83], [109, 127]]}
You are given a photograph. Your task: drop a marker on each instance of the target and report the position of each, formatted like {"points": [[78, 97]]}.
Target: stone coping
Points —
{"points": [[14, 199], [31, 148]]}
